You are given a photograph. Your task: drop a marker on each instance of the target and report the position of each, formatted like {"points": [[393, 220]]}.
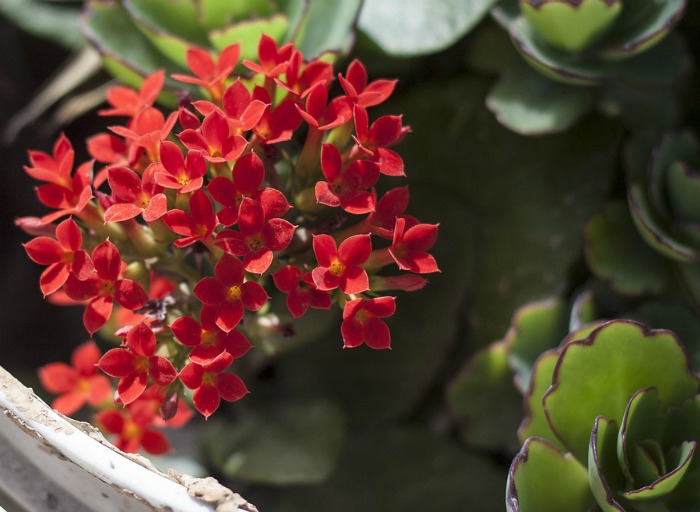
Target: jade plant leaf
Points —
{"points": [[485, 381], [554, 184], [540, 462], [616, 360], [248, 33], [281, 444], [604, 474], [400, 469], [216, 14], [617, 254], [528, 103], [535, 423], [421, 27], [327, 27]]}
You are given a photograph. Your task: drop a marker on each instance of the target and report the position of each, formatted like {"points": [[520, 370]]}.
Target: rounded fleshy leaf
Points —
{"points": [[540, 461], [598, 375], [603, 471]]}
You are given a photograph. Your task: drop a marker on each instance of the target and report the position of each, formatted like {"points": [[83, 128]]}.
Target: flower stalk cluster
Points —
{"points": [[184, 223]]}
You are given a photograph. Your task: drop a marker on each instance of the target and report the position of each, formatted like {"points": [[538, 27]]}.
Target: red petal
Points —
{"points": [[131, 387], [84, 358], [156, 208], [124, 182], [191, 375], [121, 212], [253, 296], [69, 403], [100, 390], [206, 399], [171, 157], [155, 442], [223, 191], [68, 235], [259, 261], [107, 261], [201, 209], [58, 377], [278, 233], [377, 334], [355, 250], [287, 278], [117, 362], [230, 387], [354, 280], [229, 315], [187, 331], [161, 370], [210, 291], [325, 196], [330, 162], [97, 313], [352, 332], [141, 340], [112, 420], [325, 249], [273, 201], [53, 277], [235, 100], [229, 270], [298, 303], [248, 173], [324, 279], [200, 63], [381, 307], [179, 222], [129, 294], [44, 250], [250, 217]]}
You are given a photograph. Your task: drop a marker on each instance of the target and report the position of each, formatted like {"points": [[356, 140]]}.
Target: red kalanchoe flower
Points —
{"points": [[137, 195], [62, 255], [127, 102], [359, 91], [134, 365], [145, 133], [362, 322], [240, 110], [207, 339], [77, 383], [184, 174], [211, 383], [273, 60], [340, 267], [133, 427], [347, 187], [104, 287], [248, 174], [256, 238], [299, 78], [321, 116], [198, 225], [113, 151], [301, 290], [410, 245], [213, 140], [390, 206], [209, 74], [374, 140], [229, 294], [278, 123]]}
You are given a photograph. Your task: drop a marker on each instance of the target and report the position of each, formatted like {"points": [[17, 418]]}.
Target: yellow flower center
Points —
{"points": [[336, 268], [234, 293]]}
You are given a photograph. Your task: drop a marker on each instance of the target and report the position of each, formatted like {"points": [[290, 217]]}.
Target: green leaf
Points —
{"points": [[50, 21], [597, 377], [536, 327], [327, 26], [640, 422], [423, 26], [604, 473], [528, 103], [127, 52], [530, 202], [668, 482], [217, 14], [179, 19], [399, 470], [535, 423], [617, 254], [535, 470], [664, 65], [281, 444], [485, 381]]}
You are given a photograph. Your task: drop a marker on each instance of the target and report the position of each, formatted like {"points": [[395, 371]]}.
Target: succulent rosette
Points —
{"points": [[587, 41], [621, 406]]}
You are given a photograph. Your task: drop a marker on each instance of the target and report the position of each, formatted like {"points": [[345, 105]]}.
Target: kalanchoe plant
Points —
{"points": [[194, 217], [621, 425]]}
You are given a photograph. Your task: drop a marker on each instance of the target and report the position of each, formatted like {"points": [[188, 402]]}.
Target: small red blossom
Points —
{"points": [[273, 61], [133, 427], [136, 195], [301, 290], [211, 383], [77, 383], [207, 339], [241, 111], [134, 365], [362, 322], [390, 206], [321, 116], [278, 123], [209, 74], [373, 141], [248, 174], [410, 245], [362, 93], [214, 140], [256, 238], [300, 77], [104, 287], [175, 171], [145, 133], [347, 188], [198, 225], [62, 255], [229, 293], [340, 266], [127, 102]]}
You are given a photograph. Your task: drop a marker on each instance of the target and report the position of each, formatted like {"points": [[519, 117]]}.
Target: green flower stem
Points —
{"points": [[93, 217], [340, 135], [143, 239], [309, 161], [378, 259], [220, 169]]}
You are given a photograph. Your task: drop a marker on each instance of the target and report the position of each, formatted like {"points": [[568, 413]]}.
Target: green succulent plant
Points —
{"points": [[623, 416], [136, 37]]}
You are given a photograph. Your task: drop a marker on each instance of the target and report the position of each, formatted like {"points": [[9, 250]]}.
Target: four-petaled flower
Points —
{"points": [[104, 287], [62, 255], [134, 428], [347, 188], [207, 339], [362, 322], [198, 225], [228, 292], [127, 102], [134, 364], [340, 266], [256, 238], [301, 290], [77, 383], [214, 140], [136, 195], [410, 245], [209, 74], [184, 174], [211, 383]]}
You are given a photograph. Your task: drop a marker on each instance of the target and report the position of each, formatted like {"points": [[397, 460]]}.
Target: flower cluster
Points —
{"points": [[170, 244]]}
